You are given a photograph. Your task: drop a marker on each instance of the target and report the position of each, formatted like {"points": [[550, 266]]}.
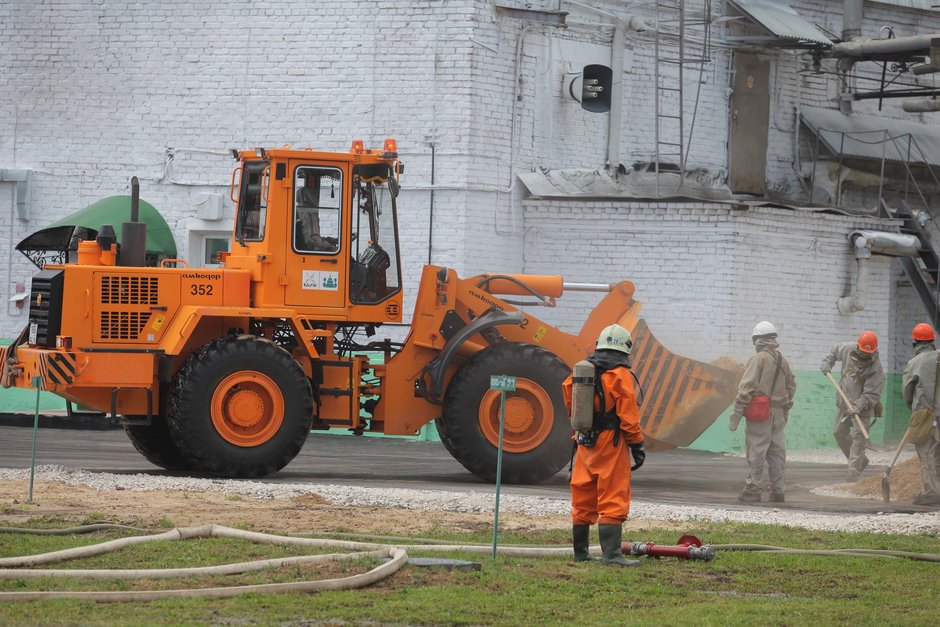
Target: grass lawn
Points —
{"points": [[735, 588]]}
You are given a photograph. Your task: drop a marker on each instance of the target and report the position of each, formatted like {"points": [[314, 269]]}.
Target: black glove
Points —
{"points": [[639, 455]]}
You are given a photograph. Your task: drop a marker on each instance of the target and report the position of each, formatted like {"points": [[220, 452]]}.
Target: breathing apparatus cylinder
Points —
{"points": [[582, 396]]}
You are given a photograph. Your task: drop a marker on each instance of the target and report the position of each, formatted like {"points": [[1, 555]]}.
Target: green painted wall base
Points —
{"points": [[811, 419], [17, 400]]}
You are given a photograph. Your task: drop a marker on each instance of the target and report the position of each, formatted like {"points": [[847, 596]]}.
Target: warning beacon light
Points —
{"points": [[391, 149]]}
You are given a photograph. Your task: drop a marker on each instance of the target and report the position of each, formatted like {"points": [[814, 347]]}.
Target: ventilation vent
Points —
{"points": [[129, 290], [123, 325]]}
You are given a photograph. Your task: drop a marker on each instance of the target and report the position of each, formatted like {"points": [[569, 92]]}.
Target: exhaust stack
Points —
{"points": [[134, 233]]}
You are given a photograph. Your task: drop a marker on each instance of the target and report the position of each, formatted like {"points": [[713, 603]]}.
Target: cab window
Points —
{"points": [[252, 202], [375, 273], [317, 202]]}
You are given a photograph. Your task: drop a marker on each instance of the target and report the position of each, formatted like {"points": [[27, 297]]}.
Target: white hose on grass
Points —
{"points": [[398, 558]]}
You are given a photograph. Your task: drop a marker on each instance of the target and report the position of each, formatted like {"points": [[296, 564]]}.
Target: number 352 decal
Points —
{"points": [[200, 289]]}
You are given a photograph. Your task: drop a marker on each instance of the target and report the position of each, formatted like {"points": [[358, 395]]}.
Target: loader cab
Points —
{"points": [[319, 232]]}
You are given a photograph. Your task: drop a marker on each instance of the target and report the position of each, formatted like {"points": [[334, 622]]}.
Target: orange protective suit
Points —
{"points": [[600, 481]]}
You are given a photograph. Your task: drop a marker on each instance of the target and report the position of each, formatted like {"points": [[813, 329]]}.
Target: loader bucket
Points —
{"points": [[682, 396]]}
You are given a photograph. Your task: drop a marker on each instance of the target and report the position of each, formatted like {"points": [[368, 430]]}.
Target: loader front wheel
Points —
{"points": [[240, 407], [536, 438]]}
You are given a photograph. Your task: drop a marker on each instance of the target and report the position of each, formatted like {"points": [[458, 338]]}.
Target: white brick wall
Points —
{"points": [[707, 273], [94, 93]]}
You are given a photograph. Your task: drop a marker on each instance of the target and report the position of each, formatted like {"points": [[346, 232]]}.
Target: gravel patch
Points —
{"points": [[475, 502], [835, 457]]}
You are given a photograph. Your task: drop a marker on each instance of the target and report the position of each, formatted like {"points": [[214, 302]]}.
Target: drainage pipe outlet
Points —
{"points": [[867, 243]]}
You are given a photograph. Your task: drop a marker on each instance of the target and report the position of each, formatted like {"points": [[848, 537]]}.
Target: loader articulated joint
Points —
{"points": [[437, 368]]}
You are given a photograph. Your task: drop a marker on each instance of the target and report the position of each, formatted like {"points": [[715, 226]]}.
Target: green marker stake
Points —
{"points": [[499, 466], [504, 384], [37, 383]]}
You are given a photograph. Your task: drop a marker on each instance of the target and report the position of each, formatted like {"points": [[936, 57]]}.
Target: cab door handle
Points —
{"points": [[328, 260]]}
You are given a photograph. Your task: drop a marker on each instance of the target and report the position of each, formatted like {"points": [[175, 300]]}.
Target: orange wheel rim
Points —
{"points": [[247, 408], [530, 416]]}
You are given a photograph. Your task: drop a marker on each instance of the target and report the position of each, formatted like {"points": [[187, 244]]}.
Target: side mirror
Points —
{"points": [[394, 187]]}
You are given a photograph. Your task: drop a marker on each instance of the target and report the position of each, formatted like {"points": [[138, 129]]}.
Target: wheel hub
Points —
{"points": [[529, 417], [520, 414], [244, 408], [247, 408]]}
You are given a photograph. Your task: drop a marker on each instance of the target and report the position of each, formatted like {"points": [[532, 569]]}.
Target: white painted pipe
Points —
{"points": [[921, 105], [866, 48], [866, 243]]}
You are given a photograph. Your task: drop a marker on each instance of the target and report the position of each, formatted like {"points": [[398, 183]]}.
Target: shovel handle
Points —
{"points": [[849, 406], [897, 453]]}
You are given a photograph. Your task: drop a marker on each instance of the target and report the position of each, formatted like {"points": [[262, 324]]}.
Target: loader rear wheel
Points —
{"points": [[536, 439], [240, 407], [153, 441]]}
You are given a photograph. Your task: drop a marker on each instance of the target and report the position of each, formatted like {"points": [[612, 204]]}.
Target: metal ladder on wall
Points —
{"points": [[924, 276], [669, 98]]}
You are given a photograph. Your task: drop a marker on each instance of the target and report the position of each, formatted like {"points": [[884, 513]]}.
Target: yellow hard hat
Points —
{"points": [[616, 338]]}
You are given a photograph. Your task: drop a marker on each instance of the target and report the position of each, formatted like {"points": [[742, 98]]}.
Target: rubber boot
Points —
{"points": [[610, 545], [580, 538]]}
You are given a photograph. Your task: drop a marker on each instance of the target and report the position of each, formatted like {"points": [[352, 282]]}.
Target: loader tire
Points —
{"points": [[240, 407], [536, 440], [154, 442]]}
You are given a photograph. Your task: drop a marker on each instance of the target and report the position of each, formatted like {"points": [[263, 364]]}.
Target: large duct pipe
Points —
{"points": [[852, 20], [877, 49], [134, 233], [866, 243], [921, 105]]}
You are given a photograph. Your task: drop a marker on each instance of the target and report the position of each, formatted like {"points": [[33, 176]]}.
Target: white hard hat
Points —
{"points": [[764, 328], [615, 337]]}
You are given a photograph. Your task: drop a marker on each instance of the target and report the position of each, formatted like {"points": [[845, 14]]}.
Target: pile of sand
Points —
{"points": [[906, 482], [731, 365]]}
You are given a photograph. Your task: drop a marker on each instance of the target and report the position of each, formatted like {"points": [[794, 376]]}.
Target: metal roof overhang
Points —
{"points": [[874, 138], [787, 29], [58, 237]]}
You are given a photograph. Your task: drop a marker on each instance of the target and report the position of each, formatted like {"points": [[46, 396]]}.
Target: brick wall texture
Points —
{"points": [[94, 92]]}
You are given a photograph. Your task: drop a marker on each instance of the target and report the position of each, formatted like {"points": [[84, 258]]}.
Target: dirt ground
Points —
{"points": [[68, 505], [163, 508]]}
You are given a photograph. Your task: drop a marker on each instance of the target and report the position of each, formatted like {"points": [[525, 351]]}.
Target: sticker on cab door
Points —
{"points": [[317, 280]]}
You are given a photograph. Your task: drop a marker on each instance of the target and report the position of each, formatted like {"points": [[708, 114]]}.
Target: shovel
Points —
{"points": [[919, 421], [885, 480], [850, 408]]}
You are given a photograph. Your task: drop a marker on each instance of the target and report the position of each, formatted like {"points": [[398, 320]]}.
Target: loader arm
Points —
{"points": [[456, 318]]}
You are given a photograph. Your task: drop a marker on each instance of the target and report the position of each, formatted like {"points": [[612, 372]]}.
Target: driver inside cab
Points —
{"points": [[307, 217]]}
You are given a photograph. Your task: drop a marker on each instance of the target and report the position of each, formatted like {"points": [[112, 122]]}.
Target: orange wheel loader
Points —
{"points": [[226, 370]]}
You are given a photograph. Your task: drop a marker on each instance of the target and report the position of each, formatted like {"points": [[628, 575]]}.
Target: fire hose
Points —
{"points": [[689, 547]]}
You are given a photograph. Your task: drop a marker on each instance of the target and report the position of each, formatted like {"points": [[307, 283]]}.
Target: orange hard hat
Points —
{"points": [[868, 342], [923, 332]]}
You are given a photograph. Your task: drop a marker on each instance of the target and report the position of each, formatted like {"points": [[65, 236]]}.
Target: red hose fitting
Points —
{"points": [[688, 547]]}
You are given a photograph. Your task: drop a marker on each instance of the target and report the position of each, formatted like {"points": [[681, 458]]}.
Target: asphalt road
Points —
{"points": [[677, 476]]}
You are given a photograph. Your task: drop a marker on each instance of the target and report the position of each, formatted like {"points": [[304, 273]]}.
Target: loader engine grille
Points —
{"points": [[123, 325], [129, 290]]}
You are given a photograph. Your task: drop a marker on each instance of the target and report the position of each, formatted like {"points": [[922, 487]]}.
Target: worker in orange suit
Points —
{"points": [[600, 482]]}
